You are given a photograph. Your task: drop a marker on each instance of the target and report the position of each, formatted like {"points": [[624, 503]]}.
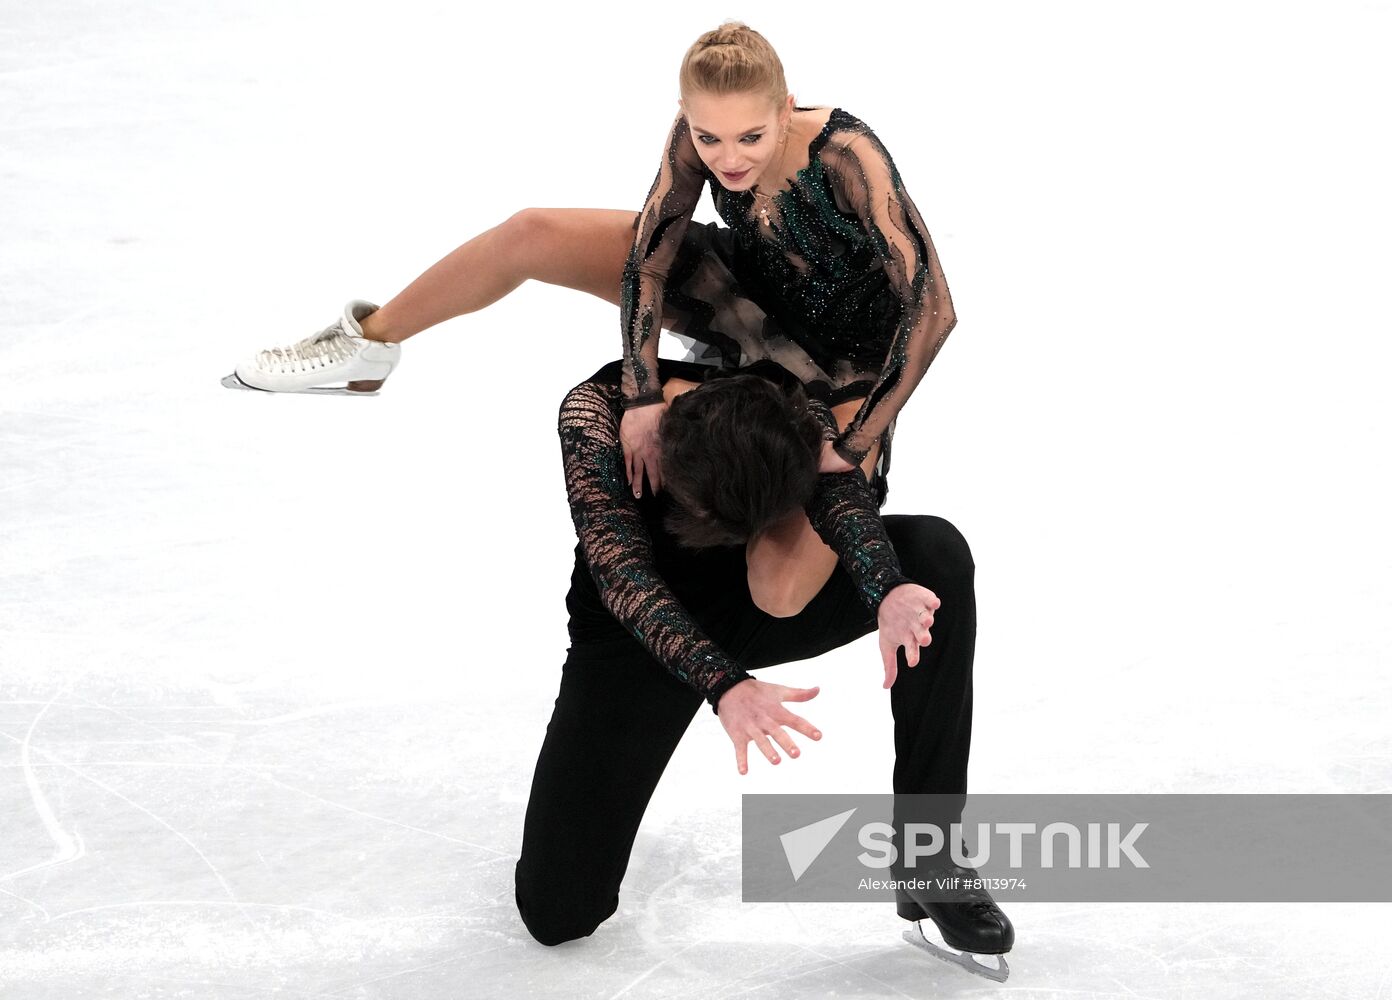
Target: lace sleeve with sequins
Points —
{"points": [[661, 226], [615, 542], [869, 182], [843, 513]]}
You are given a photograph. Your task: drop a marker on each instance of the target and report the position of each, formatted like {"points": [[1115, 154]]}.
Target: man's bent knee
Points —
{"points": [[553, 918], [928, 544]]}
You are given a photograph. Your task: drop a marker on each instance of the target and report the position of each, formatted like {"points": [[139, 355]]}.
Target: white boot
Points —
{"points": [[336, 354]]}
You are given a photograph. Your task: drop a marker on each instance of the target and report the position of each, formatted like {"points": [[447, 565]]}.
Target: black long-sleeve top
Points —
{"points": [[618, 548]]}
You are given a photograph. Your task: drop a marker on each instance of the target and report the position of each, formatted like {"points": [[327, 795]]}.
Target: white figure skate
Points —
{"points": [[336, 354]]}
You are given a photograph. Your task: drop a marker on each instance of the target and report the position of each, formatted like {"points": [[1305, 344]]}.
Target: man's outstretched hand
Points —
{"points": [[906, 615], [753, 710]]}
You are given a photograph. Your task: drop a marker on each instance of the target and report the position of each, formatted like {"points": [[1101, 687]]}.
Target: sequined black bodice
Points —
{"points": [[842, 284]]}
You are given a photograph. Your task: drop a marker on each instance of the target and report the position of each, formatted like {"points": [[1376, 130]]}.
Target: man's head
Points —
{"points": [[738, 453]]}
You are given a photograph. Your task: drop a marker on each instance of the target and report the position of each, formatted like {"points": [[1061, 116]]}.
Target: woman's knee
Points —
{"points": [[928, 545], [526, 235], [580, 248]]}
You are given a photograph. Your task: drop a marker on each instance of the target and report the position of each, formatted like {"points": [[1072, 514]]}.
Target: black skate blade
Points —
{"points": [[234, 382], [963, 959]]}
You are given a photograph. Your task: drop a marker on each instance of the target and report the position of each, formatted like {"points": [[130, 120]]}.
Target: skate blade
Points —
{"points": [[233, 382], [965, 959]]}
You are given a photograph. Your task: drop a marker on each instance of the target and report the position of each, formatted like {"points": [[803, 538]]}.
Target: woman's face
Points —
{"points": [[737, 134]]}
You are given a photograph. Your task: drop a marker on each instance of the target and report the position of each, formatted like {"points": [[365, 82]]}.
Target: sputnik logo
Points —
{"points": [[805, 844]]}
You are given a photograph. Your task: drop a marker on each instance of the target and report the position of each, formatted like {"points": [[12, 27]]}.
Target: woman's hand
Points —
{"points": [[641, 447], [831, 461], [906, 615], [753, 710]]}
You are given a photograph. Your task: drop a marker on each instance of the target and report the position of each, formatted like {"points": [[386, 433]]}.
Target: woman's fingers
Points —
{"points": [[656, 476]]}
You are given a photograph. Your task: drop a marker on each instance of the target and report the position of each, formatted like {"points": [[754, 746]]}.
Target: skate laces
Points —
{"points": [[971, 898], [321, 350]]}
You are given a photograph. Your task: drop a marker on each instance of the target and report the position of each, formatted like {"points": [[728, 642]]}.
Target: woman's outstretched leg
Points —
{"points": [[580, 248]]}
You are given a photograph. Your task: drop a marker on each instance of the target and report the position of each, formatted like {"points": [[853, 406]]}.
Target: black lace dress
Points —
{"points": [[841, 286], [618, 533]]}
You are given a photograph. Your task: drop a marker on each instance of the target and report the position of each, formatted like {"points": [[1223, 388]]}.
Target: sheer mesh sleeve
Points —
{"points": [[615, 542], [661, 226], [843, 513], [871, 185]]}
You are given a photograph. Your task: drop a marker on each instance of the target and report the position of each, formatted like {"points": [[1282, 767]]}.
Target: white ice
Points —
{"points": [[274, 670]]}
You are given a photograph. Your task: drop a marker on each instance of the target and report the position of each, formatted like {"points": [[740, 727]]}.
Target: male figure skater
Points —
{"points": [[656, 627]]}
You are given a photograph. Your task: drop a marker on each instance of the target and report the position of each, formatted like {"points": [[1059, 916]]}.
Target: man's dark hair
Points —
{"points": [[738, 453]]}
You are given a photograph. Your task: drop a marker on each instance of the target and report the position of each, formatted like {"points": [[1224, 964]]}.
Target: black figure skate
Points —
{"points": [[968, 919]]}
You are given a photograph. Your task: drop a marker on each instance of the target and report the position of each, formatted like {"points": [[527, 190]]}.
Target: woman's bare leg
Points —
{"points": [[580, 248]]}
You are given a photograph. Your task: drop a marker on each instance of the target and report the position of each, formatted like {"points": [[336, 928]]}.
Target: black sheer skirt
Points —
{"points": [[715, 305]]}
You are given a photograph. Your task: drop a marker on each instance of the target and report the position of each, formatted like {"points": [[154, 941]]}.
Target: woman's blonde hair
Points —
{"points": [[733, 59]]}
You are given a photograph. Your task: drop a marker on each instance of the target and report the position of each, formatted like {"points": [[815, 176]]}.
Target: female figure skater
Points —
{"points": [[824, 265], [660, 619]]}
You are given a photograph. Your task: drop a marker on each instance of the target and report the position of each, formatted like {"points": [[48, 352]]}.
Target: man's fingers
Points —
{"points": [[802, 726], [798, 694], [785, 741], [763, 743], [741, 758], [911, 654], [891, 666]]}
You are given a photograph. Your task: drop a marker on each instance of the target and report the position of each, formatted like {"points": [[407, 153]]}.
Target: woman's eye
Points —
{"points": [[753, 138]]}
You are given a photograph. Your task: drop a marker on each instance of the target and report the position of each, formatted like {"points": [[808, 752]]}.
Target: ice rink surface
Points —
{"points": [[274, 670]]}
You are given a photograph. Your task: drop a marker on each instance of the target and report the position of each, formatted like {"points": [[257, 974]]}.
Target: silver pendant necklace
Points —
{"points": [[768, 199]]}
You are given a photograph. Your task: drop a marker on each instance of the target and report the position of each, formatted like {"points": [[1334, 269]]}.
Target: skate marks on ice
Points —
{"points": [[67, 846], [143, 838], [314, 846]]}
